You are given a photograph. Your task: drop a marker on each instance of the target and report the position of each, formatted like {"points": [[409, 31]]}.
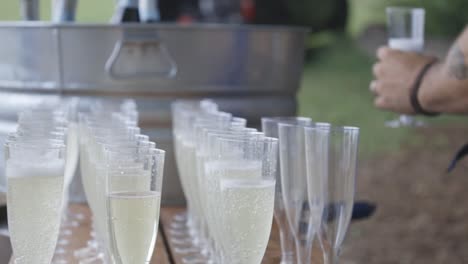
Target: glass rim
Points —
{"points": [[333, 128], [116, 148], [60, 129], [311, 125], [238, 119], [134, 164], [234, 134], [120, 137], [38, 140], [240, 130], [44, 146], [263, 139], [20, 132], [41, 124], [14, 137], [278, 119]]}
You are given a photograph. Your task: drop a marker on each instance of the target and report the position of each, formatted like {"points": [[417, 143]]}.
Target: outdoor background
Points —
{"points": [[421, 216]]}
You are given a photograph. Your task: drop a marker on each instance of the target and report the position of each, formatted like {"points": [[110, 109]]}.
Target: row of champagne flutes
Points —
{"points": [[41, 157], [314, 200], [122, 174], [229, 173]]}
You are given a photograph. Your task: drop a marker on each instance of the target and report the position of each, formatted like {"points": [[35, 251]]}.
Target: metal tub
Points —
{"points": [[251, 71]]}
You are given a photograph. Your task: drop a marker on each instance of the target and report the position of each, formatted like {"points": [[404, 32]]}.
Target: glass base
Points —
{"points": [[405, 121]]}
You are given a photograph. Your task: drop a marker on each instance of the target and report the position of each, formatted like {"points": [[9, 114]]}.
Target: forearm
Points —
{"points": [[445, 86]]}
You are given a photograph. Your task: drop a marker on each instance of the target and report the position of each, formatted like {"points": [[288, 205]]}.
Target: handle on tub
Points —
{"points": [[136, 11], [126, 11], [140, 54]]}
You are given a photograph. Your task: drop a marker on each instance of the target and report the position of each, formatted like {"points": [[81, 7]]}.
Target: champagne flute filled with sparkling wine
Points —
{"points": [[34, 122], [133, 202], [121, 173], [35, 165], [122, 177], [108, 132], [228, 177]]}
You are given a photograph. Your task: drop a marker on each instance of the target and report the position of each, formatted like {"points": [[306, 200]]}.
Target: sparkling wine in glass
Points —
{"points": [[35, 178], [133, 209]]}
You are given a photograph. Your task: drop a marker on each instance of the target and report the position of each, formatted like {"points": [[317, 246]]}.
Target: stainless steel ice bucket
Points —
{"points": [[252, 71]]}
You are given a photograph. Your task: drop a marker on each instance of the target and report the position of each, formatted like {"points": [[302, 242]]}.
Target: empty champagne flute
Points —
{"points": [[405, 32], [295, 190], [287, 241], [331, 158]]}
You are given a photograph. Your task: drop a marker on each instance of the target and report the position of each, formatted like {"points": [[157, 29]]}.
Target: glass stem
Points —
{"points": [[331, 256], [287, 245], [303, 249], [334, 257]]}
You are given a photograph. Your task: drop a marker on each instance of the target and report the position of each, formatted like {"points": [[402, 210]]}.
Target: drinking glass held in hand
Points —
{"points": [[405, 32]]}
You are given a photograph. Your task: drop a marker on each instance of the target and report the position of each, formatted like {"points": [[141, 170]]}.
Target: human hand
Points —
{"points": [[395, 73]]}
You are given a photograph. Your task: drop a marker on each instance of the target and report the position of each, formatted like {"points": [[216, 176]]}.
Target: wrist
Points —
{"points": [[414, 92], [429, 93]]}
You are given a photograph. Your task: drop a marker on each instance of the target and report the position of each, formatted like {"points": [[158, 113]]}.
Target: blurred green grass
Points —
{"points": [[88, 10]]}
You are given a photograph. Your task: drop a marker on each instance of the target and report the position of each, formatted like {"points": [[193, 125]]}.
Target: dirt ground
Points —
{"points": [[421, 216]]}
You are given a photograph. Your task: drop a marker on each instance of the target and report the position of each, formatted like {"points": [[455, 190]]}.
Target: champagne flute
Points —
{"points": [[294, 187], [36, 123], [96, 184], [209, 183], [218, 121], [34, 197], [187, 234], [242, 171], [129, 149], [287, 242], [405, 32], [180, 108], [133, 210], [331, 155], [117, 126]]}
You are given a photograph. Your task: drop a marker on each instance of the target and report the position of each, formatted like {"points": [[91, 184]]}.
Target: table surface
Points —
{"points": [[165, 253]]}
